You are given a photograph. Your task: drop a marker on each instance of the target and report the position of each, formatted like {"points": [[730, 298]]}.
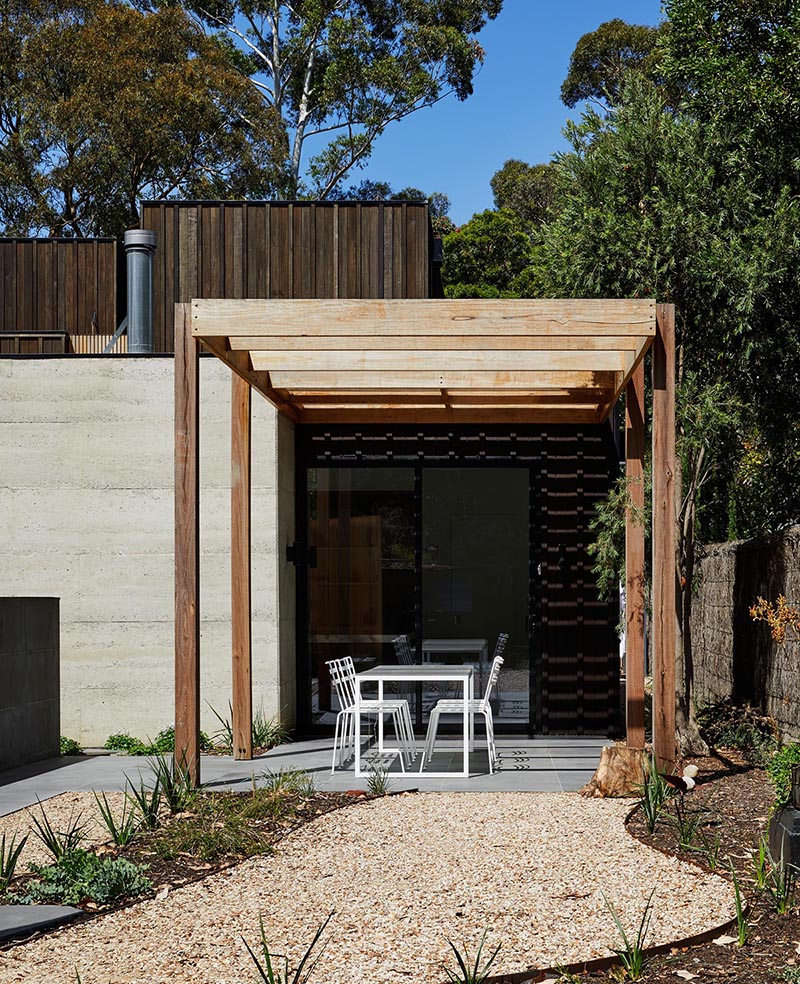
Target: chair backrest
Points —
{"points": [[402, 650], [342, 673], [500, 645], [491, 682]]}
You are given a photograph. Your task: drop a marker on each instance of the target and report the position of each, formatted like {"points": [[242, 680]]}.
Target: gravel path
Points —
{"points": [[403, 873]]}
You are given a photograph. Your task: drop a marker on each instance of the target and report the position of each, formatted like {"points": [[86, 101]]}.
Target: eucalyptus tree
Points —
{"points": [[102, 104], [337, 73]]}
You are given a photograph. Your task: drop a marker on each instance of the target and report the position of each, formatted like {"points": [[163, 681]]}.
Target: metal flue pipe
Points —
{"points": [[140, 244]]}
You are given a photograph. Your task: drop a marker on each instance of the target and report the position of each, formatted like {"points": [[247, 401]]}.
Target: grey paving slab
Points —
{"points": [[544, 764], [22, 920]]}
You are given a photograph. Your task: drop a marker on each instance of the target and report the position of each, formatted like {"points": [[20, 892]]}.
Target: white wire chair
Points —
{"points": [[479, 705], [402, 650], [343, 677]]}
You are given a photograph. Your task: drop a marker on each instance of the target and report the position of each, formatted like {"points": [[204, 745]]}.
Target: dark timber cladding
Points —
{"points": [[574, 647], [285, 250], [64, 286]]}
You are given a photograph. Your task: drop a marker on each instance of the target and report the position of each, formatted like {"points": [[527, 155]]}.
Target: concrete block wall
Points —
{"points": [[733, 655], [29, 671], [86, 514]]}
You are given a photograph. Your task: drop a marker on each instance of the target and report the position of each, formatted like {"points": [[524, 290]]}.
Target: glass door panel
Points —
{"points": [[362, 583], [475, 576]]}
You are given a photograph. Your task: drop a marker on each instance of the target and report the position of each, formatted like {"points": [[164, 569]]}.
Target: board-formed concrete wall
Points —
{"points": [[29, 691], [86, 514], [733, 655]]}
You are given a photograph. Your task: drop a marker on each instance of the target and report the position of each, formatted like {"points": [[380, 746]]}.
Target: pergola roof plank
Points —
{"points": [[402, 358]]}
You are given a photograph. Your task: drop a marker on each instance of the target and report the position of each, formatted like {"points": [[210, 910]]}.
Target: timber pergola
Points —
{"points": [[425, 362]]}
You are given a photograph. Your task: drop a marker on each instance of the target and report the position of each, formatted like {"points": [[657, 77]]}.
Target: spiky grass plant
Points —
{"points": [[9, 856], [267, 963], [654, 793], [378, 782], [173, 780], [742, 925], [469, 971], [122, 830], [288, 781], [631, 953], [59, 842], [146, 801]]}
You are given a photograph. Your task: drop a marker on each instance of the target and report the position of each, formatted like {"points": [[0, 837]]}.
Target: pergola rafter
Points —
{"points": [[428, 361], [423, 361]]}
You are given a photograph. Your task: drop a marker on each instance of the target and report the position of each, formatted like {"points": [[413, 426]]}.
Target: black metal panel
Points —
{"points": [[574, 648]]}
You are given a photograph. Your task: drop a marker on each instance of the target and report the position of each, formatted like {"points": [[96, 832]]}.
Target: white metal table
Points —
{"points": [[465, 675]]}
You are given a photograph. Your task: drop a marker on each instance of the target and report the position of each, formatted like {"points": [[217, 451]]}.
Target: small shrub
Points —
{"points": [[779, 770], [8, 860], [469, 971], [264, 965], [729, 725], [163, 742], [69, 746], [59, 842], [123, 742], [79, 875]]}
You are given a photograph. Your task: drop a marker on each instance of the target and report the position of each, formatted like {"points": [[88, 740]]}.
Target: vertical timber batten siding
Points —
{"points": [[64, 286], [284, 250]]}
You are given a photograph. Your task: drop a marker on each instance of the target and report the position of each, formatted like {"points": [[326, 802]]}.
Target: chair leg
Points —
{"points": [[490, 745], [335, 742], [430, 738]]}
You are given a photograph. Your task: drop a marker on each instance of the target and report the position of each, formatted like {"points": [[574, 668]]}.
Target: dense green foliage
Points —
{"points": [[484, 257], [68, 746], [102, 104], [528, 191], [779, 770], [79, 875], [163, 742], [604, 58]]}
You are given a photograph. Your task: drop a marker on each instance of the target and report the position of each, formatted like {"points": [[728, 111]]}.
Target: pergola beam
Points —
{"points": [[244, 318]]}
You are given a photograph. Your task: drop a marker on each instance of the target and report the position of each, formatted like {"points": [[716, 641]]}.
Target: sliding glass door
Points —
{"points": [[438, 555]]}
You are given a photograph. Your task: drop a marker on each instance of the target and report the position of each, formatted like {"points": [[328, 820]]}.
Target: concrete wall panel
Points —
{"points": [[86, 514]]}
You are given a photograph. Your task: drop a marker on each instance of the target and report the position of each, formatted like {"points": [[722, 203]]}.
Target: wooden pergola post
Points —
{"points": [[664, 538], [187, 546], [241, 596], [634, 559]]}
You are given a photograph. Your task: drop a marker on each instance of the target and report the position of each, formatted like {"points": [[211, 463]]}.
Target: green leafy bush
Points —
{"points": [[79, 875], [729, 725], [163, 742], [779, 769], [70, 747]]}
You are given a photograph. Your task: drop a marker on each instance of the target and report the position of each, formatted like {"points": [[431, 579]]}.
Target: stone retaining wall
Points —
{"points": [[735, 656]]}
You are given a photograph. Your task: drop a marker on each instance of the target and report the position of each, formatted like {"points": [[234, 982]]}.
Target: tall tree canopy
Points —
{"points": [[338, 72], [484, 257], [102, 104], [527, 190], [603, 58]]}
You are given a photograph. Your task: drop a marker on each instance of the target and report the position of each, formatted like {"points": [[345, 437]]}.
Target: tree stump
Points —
{"points": [[620, 772]]}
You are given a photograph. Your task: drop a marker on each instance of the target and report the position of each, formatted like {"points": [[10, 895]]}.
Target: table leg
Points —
{"points": [[380, 717], [467, 717], [357, 726]]}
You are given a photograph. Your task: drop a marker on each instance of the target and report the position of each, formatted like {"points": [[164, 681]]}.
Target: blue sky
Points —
{"points": [[515, 110]]}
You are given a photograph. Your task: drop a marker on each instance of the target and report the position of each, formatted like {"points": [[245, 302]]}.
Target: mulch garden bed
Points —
{"points": [[739, 797]]}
